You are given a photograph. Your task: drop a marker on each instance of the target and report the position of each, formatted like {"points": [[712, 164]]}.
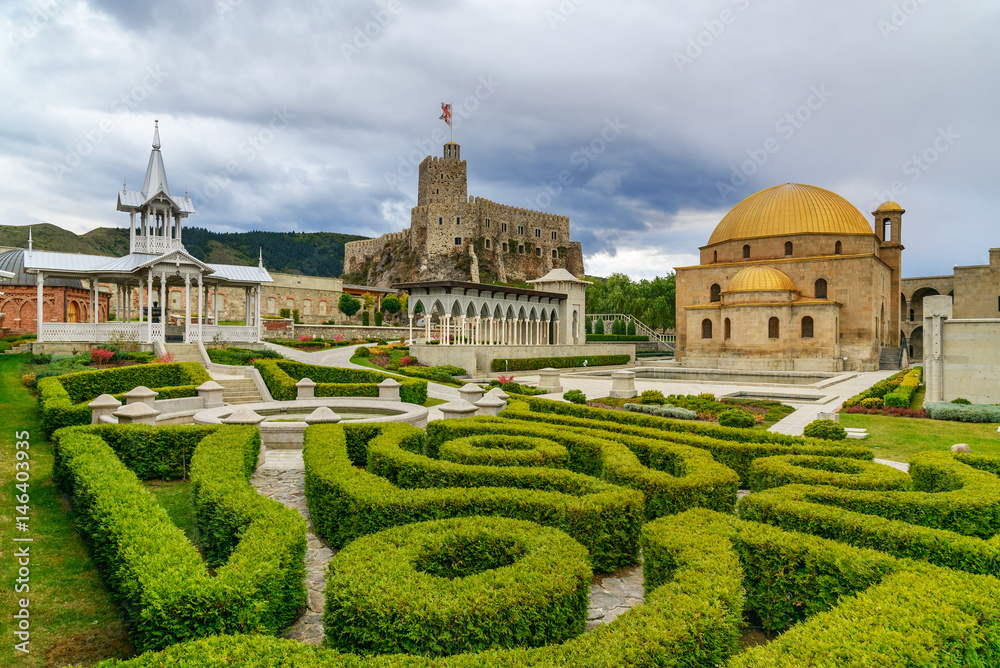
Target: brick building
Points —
{"points": [[793, 278], [499, 242]]}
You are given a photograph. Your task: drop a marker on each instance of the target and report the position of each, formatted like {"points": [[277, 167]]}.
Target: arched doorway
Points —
{"points": [[916, 342], [72, 313]]}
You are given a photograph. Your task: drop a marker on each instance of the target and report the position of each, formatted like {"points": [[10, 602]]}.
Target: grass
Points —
{"points": [[73, 619], [176, 496], [899, 439]]}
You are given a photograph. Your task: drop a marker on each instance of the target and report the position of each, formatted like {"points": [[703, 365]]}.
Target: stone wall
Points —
{"points": [[356, 252], [969, 362], [19, 307], [479, 359], [286, 329]]}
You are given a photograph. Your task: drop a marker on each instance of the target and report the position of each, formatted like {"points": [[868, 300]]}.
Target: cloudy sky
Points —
{"points": [[659, 116]]}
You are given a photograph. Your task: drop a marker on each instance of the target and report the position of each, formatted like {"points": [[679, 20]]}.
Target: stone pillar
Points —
{"points": [[211, 392], [243, 415], [305, 389], [623, 385], [187, 308], [937, 310], [459, 408], [101, 406], [548, 380], [388, 390], [322, 415], [140, 394], [471, 392], [137, 413], [490, 406]]}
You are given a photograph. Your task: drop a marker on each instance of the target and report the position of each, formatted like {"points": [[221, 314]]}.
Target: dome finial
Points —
{"points": [[156, 135], [31, 245]]}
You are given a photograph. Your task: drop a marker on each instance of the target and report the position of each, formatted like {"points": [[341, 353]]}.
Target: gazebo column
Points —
{"points": [[40, 306], [149, 304], [257, 312], [246, 306], [409, 338], [187, 308], [427, 327], [140, 301], [215, 304], [201, 304], [447, 331], [164, 295]]}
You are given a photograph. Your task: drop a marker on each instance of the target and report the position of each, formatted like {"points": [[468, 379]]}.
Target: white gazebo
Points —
{"points": [[156, 261]]}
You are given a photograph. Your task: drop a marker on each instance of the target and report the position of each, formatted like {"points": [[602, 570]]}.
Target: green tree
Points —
{"points": [[391, 304], [348, 305]]}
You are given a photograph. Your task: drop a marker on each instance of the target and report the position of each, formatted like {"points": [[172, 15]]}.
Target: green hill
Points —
{"points": [[307, 253]]}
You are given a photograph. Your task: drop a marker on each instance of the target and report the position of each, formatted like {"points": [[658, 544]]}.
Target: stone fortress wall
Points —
{"points": [[517, 244]]}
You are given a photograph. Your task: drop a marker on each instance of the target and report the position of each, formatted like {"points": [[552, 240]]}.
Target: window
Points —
{"points": [[458, 220], [487, 243], [289, 302], [272, 306], [503, 227], [715, 293], [820, 288], [728, 329], [807, 327], [912, 314], [538, 233], [886, 229], [555, 236], [772, 328], [440, 220], [458, 241], [538, 252], [746, 252], [175, 298], [706, 329], [487, 223], [520, 249], [307, 307], [555, 254], [437, 191], [322, 306], [788, 248], [715, 256], [838, 249], [520, 229]]}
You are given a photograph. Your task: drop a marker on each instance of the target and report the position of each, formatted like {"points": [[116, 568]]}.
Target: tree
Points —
{"points": [[348, 305], [391, 305], [599, 326], [368, 300]]}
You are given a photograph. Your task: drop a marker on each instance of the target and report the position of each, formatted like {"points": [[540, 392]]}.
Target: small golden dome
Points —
{"points": [[886, 207], [759, 278], [791, 208]]}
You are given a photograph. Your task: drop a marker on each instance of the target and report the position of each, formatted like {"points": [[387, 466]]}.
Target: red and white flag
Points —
{"points": [[446, 113]]}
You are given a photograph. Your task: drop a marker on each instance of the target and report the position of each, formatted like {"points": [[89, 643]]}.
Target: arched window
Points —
{"points": [[746, 251], [838, 249], [706, 329], [820, 288], [715, 256], [728, 329], [715, 292], [788, 248], [772, 328], [271, 306], [807, 327]]}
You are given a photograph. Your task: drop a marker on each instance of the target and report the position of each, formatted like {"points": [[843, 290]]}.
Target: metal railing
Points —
{"points": [[641, 328]]}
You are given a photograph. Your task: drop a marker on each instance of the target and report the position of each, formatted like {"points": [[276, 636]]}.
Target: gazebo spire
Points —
{"points": [[260, 256], [156, 135], [30, 242]]}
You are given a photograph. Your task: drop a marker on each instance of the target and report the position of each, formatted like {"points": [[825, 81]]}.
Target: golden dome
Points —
{"points": [[759, 278], [791, 208], [889, 206]]}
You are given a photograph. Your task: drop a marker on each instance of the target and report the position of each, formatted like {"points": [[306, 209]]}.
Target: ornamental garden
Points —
{"points": [[476, 541]]}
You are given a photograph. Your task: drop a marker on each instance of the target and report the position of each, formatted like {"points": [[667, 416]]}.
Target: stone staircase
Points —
{"points": [[240, 391], [184, 352], [18, 349], [888, 359]]}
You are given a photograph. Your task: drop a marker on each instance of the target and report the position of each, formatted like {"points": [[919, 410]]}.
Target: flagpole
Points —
{"points": [[451, 126]]}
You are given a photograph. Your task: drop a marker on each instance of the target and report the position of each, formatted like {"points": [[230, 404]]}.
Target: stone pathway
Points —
{"points": [[614, 595]]}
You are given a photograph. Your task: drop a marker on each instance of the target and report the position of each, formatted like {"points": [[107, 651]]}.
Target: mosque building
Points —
{"points": [[794, 279]]}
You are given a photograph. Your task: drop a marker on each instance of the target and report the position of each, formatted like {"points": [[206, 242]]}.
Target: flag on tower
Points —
{"points": [[446, 113]]}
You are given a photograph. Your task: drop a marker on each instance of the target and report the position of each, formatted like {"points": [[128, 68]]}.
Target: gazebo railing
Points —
{"points": [[226, 333], [101, 332]]}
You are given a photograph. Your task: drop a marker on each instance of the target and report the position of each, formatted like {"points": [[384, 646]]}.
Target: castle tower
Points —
{"points": [[440, 222], [888, 224], [158, 227]]}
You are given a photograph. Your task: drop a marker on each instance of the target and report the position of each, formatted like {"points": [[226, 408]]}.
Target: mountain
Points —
{"points": [[306, 253]]}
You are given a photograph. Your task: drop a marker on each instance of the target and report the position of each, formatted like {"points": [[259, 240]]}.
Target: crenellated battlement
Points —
{"points": [[356, 252]]}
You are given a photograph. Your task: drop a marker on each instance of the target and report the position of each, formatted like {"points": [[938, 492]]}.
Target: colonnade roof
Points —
{"points": [[450, 286]]}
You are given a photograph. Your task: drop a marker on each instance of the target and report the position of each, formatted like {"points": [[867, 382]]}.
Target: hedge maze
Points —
{"points": [[472, 544]]}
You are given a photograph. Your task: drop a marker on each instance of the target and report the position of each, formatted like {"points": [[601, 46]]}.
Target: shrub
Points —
{"points": [[530, 363], [737, 417], [42, 358], [365, 316], [618, 328], [825, 429], [240, 356], [588, 328], [770, 472], [666, 410], [362, 351], [871, 402], [963, 412], [599, 326], [652, 397], [962, 401], [630, 330], [575, 396], [615, 337], [378, 318], [101, 356], [456, 585]]}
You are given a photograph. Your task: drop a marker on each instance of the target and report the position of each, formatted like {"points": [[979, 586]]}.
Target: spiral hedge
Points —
{"points": [[842, 575]]}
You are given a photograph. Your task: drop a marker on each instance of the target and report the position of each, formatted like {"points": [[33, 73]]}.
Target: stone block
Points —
{"points": [[305, 389], [211, 393], [101, 406], [548, 380], [460, 408], [490, 406], [141, 394], [961, 447], [137, 413], [471, 392], [623, 385], [388, 390]]}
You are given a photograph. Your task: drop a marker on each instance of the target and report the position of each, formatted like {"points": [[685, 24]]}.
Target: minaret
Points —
{"points": [[888, 228]]}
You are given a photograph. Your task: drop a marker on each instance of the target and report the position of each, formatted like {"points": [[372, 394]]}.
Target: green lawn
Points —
{"points": [[176, 496], [73, 620], [900, 438]]}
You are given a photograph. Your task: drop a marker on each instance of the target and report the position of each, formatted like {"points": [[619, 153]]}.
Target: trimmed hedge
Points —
{"points": [[240, 356], [64, 398], [402, 486], [280, 377], [615, 337], [458, 585], [946, 410], [636, 431], [828, 430], [503, 450], [441, 374], [770, 472], [531, 363], [156, 575], [665, 410], [902, 396]]}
